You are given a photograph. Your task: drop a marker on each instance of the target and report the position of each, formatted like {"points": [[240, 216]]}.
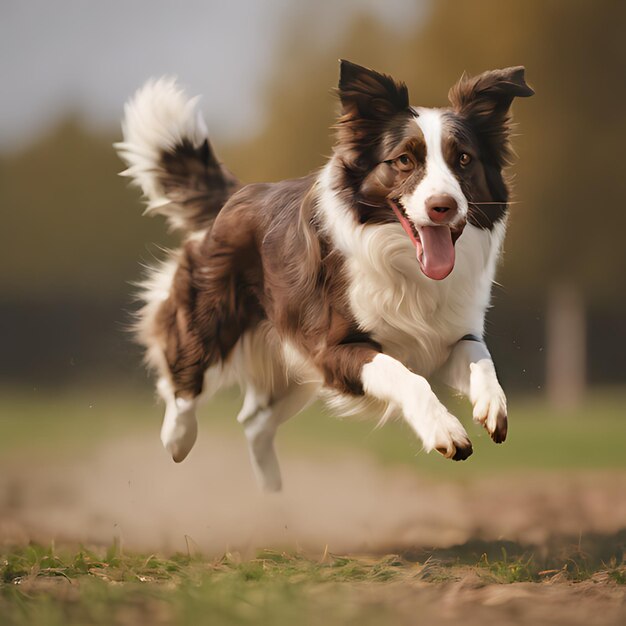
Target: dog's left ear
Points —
{"points": [[484, 101], [366, 94]]}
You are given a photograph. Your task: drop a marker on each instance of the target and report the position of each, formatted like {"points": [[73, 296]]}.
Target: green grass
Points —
{"points": [[591, 437], [49, 587]]}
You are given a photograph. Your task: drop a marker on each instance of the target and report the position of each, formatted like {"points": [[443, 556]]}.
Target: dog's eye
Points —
{"points": [[465, 159], [405, 163]]}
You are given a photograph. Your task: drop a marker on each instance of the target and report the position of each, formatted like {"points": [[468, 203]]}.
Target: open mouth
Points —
{"points": [[434, 245]]}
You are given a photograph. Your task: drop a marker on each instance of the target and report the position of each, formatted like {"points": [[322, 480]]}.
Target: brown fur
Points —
{"points": [[248, 268]]}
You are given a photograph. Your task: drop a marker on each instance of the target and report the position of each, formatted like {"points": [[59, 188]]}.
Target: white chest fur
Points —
{"points": [[416, 320]]}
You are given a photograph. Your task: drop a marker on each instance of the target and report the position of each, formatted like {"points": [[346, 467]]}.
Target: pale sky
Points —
{"points": [[89, 56]]}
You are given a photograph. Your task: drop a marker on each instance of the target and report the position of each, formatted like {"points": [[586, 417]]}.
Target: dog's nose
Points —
{"points": [[441, 208]]}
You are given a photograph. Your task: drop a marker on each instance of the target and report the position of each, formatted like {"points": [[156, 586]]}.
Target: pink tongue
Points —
{"points": [[437, 259]]}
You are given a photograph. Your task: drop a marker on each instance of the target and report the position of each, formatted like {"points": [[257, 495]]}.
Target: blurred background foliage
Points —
{"points": [[72, 235]]}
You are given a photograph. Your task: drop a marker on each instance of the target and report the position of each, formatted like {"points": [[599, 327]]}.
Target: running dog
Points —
{"points": [[358, 282]]}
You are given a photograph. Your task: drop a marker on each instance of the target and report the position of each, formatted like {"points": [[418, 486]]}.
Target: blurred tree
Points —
{"points": [[71, 241], [70, 226]]}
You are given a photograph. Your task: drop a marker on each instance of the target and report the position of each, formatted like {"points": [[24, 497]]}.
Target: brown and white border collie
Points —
{"points": [[359, 282]]}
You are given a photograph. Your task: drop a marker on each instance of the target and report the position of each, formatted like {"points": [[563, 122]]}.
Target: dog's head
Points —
{"points": [[433, 170]]}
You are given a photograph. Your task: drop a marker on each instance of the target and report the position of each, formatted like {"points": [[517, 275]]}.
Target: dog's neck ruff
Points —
{"points": [[414, 318]]}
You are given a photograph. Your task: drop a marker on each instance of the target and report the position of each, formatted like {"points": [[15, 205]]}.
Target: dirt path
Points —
{"points": [[130, 489]]}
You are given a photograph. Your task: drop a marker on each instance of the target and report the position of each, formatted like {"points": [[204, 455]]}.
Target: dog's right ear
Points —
{"points": [[366, 94], [368, 101]]}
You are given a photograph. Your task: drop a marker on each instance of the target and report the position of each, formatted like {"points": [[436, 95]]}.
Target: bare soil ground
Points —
{"points": [[131, 490], [342, 504]]}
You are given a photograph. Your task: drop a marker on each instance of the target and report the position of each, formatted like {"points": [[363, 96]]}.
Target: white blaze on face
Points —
{"points": [[438, 178]]}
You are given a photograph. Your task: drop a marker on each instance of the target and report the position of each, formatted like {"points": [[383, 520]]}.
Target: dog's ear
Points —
{"points": [[369, 95], [484, 101], [368, 101]]}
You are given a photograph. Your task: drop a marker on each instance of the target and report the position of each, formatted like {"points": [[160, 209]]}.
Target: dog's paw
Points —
{"points": [[447, 435], [488, 399], [180, 428]]}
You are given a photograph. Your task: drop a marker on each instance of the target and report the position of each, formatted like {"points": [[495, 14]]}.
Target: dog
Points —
{"points": [[358, 282]]}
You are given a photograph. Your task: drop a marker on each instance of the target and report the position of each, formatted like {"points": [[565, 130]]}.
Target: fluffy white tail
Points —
{"points": [[167, 150]]}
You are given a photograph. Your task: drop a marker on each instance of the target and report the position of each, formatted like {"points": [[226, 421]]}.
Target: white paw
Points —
{"points": [[488, 399], [443, 432], [180, 428]]}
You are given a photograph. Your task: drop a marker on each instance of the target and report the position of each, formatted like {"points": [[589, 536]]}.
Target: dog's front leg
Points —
{"points": [[359, 369], [471, 371]]}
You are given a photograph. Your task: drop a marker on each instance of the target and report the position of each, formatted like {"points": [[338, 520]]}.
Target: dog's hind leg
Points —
{"points": [[261, 415], [179, 430], [180, 426], [190, 327]]}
